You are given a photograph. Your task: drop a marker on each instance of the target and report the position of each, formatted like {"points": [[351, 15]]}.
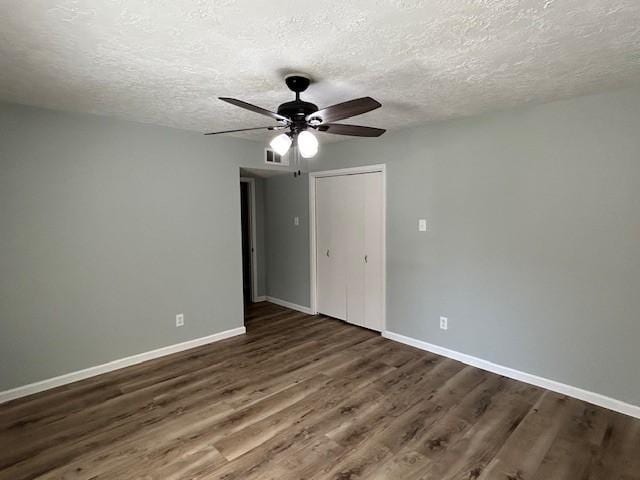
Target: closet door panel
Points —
{"points": [[323, 244], [339, 234], [355, 186], [373, 247], [331, 281]]}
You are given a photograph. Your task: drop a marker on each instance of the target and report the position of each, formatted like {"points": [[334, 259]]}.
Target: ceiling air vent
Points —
{"points": [[273, 158]]}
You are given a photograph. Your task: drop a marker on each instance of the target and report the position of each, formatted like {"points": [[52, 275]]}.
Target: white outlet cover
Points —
{"points": [[180, 320], [444, 323], [296, 221], [422, 225]]}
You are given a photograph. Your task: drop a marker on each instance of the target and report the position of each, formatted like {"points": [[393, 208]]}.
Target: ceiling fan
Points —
{"points": [[298, 118]]}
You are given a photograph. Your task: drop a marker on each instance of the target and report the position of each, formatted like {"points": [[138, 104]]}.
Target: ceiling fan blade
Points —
{"points": [[351, 130], [245, 130], [254, 108], [344, 110]]}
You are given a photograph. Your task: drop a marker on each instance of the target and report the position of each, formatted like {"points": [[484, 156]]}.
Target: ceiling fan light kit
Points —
{"points": [[307, 144], [300, 118], [281, 143]]}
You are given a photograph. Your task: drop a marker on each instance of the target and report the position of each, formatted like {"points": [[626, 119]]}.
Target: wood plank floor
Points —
{"points": [[302, 397]]}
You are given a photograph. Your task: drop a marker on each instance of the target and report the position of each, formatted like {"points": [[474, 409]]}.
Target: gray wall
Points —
{"points": [[287, 244], [109, 229], [533, 248]]}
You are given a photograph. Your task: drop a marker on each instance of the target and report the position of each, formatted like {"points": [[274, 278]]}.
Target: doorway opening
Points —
{"points": [[259, 189], [248, 232], [246, 243]]}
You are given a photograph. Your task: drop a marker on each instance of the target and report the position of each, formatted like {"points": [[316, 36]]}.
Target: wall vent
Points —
{"points": [[272, 158]]}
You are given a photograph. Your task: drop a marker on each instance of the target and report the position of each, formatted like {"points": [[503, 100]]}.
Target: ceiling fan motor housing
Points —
{"points": [[297, 111]]}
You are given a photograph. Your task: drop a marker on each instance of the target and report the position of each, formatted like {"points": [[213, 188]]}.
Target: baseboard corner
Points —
{"points": [[292, 306]]}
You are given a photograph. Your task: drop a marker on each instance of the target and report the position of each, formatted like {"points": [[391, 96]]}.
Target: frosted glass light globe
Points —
{"points": [[307, 144], [281, 144]]}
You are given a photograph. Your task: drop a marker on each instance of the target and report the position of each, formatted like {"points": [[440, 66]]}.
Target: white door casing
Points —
{"points": [[355, 201]]}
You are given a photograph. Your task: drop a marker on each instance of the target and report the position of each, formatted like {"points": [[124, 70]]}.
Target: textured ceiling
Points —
{"points": [[166, 61]]}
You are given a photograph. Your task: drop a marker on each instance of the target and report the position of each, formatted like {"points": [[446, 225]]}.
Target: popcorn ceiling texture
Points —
{"points": [[165, 61]]}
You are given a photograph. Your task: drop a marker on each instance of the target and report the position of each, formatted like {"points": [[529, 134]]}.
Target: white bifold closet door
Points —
{"points": [[349, 248], [330, 248]]}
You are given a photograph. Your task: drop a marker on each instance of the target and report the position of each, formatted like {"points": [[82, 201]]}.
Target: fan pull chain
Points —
{"points": [[296, 161]]}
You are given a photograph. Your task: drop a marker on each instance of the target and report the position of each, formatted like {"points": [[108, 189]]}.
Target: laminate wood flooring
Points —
{"points": [[308, 397]]}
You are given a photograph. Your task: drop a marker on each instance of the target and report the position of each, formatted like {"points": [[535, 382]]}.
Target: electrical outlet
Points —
{"points": [[180, 320], [444, 323], [296, 221], [422, 225]]}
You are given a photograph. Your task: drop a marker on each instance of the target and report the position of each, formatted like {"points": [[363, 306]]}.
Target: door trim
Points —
{"points": [[252, 236], [312, 230]]}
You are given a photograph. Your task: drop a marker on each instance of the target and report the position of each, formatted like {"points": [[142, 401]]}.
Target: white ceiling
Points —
{"points": [[166, 61]]}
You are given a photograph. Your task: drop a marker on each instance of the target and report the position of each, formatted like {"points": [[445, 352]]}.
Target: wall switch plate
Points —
{"points": [[444, 323], [296, 221], [422, 225], [180, 320]]}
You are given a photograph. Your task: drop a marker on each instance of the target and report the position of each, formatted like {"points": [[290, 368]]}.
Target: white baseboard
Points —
{"points": [[292, 306], [575, 392], [49, 383], [261, 298]]}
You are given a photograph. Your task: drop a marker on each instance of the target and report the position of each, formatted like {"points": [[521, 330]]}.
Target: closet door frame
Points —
{"points": [[312, 229]]}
